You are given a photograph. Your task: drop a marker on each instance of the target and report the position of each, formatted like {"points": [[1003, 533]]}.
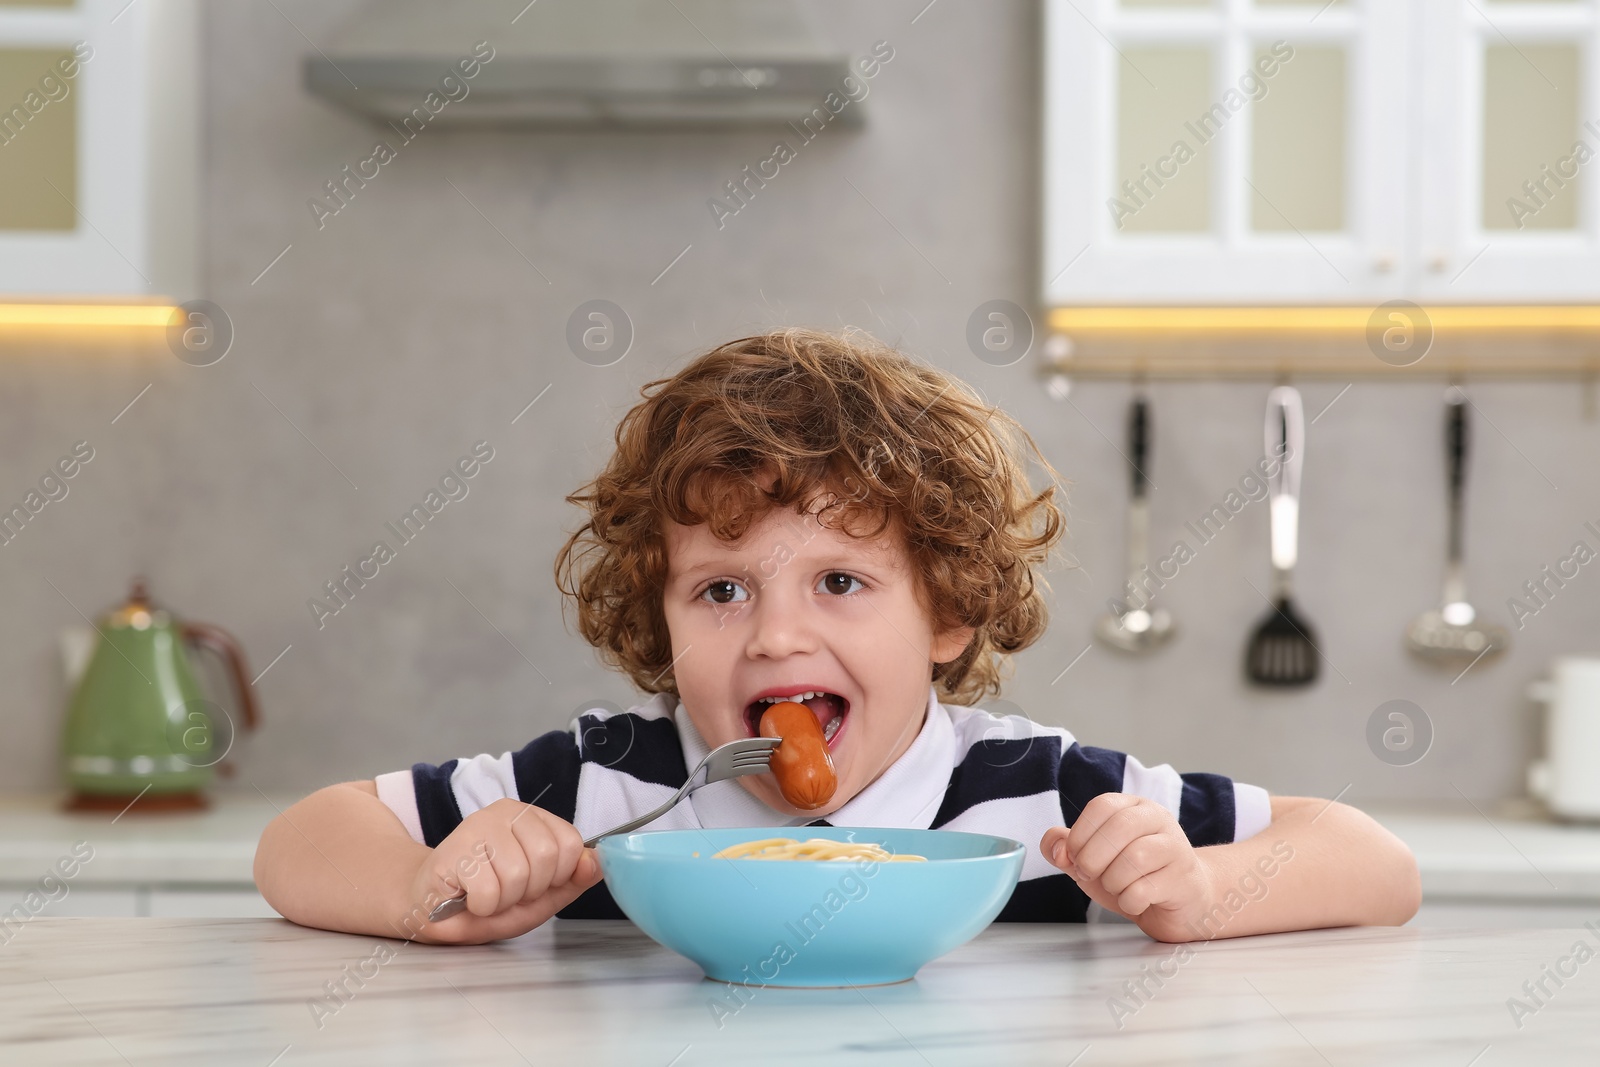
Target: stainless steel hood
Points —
{"points": [[581, 62]]}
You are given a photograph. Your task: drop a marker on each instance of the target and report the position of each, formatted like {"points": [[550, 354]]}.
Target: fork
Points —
{"points": [[749, 755]]}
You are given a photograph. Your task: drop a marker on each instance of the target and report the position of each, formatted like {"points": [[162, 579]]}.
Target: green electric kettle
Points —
{"points": [[139, 725]]}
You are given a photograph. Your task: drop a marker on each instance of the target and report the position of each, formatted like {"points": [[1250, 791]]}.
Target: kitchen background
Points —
{"points": [[372, 352]]}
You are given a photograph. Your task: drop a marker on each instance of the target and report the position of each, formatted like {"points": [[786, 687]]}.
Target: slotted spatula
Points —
{"points": [[1282, 651]]}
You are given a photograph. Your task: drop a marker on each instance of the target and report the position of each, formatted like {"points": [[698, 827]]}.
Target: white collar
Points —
{"points": [[906, 795]]}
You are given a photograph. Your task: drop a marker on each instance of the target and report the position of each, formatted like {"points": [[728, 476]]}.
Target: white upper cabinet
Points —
{"points": [[1352, 151], [1507, 156], [98, 149]]}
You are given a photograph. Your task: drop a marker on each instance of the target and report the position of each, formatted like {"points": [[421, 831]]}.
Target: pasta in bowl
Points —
{"points": [[851, 906], [819, 849]]}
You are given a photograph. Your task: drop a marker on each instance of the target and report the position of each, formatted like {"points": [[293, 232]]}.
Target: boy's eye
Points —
{"points": [[723, 591], [839, 584]]}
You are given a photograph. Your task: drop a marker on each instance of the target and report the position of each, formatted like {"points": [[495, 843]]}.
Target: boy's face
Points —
{"points": [[797, 606]]}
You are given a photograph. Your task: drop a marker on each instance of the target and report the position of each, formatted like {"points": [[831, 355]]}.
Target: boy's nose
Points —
{"points": [[782, 626]]}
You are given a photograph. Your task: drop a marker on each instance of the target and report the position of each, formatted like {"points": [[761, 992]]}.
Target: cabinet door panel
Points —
{"points": [[98, 166], [1531, 101], [1162, 186], [1505, 178], [1224, 153], [1298, 162], [106, 187], [39, 166]]}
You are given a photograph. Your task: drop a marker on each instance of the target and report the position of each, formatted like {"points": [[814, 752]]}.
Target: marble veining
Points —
{"points": [[1504, 853], [262, 991]]}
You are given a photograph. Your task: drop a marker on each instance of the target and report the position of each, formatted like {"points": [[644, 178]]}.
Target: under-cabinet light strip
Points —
{"points": [[125, 315]]}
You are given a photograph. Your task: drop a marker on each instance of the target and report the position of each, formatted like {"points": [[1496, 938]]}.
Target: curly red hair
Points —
{"points": [[840, 425]]}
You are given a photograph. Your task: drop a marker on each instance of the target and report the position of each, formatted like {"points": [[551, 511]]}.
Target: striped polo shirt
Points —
{"points": [[967, 769]]}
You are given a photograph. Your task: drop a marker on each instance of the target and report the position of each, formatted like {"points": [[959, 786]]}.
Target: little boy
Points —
{"points": [[819, 517]]}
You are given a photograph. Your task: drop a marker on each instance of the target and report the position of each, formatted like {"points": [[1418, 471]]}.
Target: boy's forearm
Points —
{"points": [[1317, 865], [340, 860]]}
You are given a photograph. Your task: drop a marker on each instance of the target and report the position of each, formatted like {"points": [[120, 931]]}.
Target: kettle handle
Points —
{"points": [[222, 642]]}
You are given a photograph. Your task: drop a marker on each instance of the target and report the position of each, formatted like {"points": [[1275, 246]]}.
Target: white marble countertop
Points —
{"points": [[1505, 852], [215, 847], [1508, 851], [174, 992]]}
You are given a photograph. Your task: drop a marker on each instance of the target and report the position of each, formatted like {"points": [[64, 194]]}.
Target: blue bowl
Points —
{"points": [[808, 922]]}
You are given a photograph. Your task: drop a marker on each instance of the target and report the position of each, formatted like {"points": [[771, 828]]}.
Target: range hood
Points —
{"points": [[582, 62]]}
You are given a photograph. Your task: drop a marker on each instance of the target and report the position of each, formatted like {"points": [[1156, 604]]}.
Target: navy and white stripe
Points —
{"points": [[967, 769]]}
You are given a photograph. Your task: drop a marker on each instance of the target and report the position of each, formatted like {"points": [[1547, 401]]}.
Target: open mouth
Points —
{"points": [[831, 710]]}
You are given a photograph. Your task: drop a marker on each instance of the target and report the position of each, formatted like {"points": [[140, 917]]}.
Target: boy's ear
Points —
{"points": [[950, 644]]}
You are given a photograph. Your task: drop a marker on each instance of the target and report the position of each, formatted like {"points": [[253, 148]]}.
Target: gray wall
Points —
{"points": [[407, 329]]}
